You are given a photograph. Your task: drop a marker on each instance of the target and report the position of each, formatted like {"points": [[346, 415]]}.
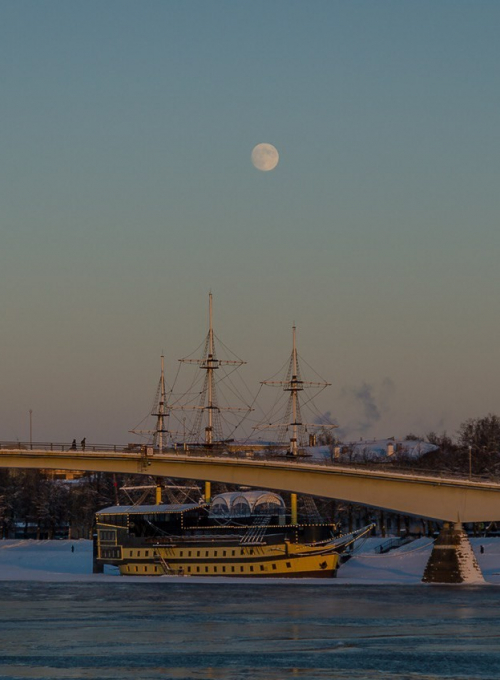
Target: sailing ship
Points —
{"points": [[240, 533], [237, 533]]}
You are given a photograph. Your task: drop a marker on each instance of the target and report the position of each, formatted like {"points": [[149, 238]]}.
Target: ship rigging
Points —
{"points": [[202, 415], [292, 427]]}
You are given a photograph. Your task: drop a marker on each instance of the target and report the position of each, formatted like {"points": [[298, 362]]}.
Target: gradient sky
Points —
{"points": [[127, 193]]}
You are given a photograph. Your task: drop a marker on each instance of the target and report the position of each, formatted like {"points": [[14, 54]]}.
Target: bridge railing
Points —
{"points": [[65, 446], [385, 465], [258, 454]]}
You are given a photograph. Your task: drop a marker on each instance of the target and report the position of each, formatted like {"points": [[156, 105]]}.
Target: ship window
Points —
{"points": [[215, 568], [189, 568], [262, 567], [251, 551], [251, 567], [189, 553], [233, 552], [147, 553], [215, 553], [206, 553], [232, 569], [269, 504], [198, 554], [288, 565], [107, 535], [274, 566], [223, 553], [224, 569], [206, 568], [241, 568], [198, 569], [137, 568], [156, 570], [145, 569], [182, 553], [240, 507]]}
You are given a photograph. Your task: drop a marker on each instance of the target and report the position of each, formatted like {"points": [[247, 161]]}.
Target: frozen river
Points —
{"points": [[59, 621], [243, 631]]}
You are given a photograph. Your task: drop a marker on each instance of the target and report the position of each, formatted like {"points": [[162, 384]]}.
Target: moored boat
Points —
{"points": [[239, 534]]}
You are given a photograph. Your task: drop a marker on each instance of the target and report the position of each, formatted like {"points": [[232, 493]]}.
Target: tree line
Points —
{"points": [[474, 450]]}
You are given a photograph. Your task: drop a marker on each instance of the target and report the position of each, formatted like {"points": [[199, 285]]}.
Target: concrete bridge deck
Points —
{"points": [[433, 497]]}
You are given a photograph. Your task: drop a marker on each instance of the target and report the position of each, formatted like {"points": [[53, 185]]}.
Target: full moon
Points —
{"points": [[265, 157]]}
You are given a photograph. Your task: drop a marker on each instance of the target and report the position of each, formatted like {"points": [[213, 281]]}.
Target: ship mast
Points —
{"points": [[161, 411], [294, 384], [295, 387], [211, 366], [208, 402]]}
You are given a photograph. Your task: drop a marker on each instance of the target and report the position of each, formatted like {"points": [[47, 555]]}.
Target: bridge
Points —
{"points": [[450, 500], [447, 499]]}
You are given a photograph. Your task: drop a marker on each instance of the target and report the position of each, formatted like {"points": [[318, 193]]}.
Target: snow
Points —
{"points": [[376, 449], [467, 561], [407, 564], [30, 560]]}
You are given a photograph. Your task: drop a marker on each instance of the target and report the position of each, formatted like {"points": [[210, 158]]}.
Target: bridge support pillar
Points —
{"points": [[452, 559]]}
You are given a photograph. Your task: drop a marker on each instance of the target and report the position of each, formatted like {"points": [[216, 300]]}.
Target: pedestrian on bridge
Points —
{"points": [[73, 445], [82, 443]]}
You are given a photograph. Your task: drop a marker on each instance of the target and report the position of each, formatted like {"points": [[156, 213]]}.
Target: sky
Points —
{"points": [[127, 194]]}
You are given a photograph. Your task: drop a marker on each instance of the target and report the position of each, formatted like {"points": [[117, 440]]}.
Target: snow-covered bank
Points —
{"points": [[66, 561], [31, 560], [407, 564]]}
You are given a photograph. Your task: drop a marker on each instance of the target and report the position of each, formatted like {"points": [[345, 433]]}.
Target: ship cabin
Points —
{"points": [[126, 530]]}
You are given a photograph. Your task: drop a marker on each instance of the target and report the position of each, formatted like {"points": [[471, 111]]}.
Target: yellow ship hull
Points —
{"points": [[283, 560]]}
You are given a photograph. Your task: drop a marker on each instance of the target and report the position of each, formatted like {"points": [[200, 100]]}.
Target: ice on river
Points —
{"points": [[58, 621]]}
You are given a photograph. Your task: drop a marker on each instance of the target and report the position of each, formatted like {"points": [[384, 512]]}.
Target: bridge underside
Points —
{"points": [[431, 497]]}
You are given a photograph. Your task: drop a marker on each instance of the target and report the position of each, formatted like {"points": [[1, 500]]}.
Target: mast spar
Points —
{"points": [[211, 367], [161, 412], [208, 403], [294, 384], [162, 402]]}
